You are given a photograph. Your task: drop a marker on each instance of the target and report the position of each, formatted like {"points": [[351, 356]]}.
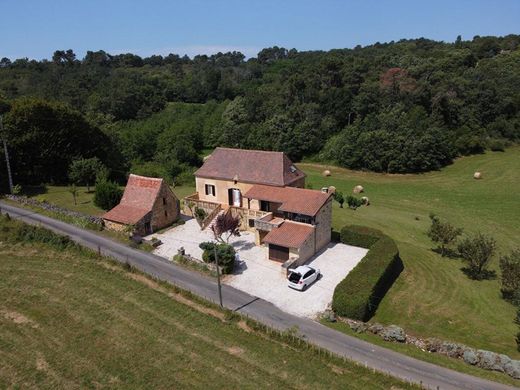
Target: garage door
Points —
{"points": [[278, 253]]}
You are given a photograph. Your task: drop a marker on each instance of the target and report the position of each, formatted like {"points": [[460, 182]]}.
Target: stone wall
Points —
{"points": [[323, 225], [166, 209], [486, 360]]}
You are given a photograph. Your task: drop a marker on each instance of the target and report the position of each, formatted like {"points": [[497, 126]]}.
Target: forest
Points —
{"points": [[397, 107]]}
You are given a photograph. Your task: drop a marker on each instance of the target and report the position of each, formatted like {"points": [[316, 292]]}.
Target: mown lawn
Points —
{"points": [[68, 320], [433, 297], [60, 196]]}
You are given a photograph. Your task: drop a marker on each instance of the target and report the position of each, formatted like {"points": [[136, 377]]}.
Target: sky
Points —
{"points": [[35, 29]]}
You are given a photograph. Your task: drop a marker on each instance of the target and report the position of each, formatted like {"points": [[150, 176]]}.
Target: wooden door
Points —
{"points": [[278, 253]]}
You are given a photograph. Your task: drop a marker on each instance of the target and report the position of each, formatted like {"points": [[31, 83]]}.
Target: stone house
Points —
{"points": [[148, 204], [265, 189]]}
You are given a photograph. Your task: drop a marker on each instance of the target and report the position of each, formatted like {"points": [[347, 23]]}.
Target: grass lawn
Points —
{"points": [[68, 320], [59, 195], [433, 297]]}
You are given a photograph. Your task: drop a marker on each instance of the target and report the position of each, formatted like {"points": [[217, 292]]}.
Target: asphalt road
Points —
{"points": [[375, 357]]}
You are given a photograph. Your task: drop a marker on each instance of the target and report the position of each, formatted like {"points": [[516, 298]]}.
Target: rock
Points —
{"points": [[358, 189], [393, 333], [453, 350], [512, 368], [470, 356], [477, 175], [365, 200], [433, 344], [358, 327], [376, 328], [326, 172], [490, 360]]}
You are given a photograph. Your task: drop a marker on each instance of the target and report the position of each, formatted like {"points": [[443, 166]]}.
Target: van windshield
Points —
{"points": [[294, 277]]}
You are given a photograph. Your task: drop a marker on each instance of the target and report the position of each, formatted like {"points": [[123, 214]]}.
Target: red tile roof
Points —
{"points": [[293, 200], [250, 166], [137, 201], [289, 234]]}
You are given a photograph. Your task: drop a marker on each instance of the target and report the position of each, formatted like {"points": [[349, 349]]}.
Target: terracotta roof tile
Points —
{"points": [[250, 166], [137, 201], [293, 200], [289, 234]]}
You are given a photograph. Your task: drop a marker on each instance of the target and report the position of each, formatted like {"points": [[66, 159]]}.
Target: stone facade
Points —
{"points": [[166, 209], [324, 225]]}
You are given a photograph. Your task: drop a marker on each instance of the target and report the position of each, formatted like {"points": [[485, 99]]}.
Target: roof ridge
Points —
{"points": [[250, 150]]}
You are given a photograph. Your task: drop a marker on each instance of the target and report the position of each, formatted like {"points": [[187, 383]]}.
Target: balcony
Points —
{"points": [[268, 222], [192, 201]]}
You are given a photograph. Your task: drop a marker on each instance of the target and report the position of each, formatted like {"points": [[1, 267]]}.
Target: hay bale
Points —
{"points": [[365, 200], [358, 189], [326, 172], [331, 190], [477, 175]]}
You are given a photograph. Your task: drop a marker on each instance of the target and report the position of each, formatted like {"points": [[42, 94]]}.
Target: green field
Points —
{"points": [[69, 320], [432, 297]]}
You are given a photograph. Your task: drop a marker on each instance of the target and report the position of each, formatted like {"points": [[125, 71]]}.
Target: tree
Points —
{"points": [[85, 171], [226, 255], [74, 191], [338, 197], [353, 202], [477, 251], [44, 138], [443, 233], [510, 271], [225, 223], [107, 194]]}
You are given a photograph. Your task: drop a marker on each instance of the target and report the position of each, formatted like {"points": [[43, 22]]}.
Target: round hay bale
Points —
{"points": [[477, 175], [326, 172], [358, 189], [332, 190], [365, 200]]}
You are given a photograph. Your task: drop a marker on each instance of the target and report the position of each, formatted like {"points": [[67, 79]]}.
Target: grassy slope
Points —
{"points": [[69, 321], [433, 297]]}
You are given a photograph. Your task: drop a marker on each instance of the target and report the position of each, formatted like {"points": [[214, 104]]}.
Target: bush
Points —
{"points": [[361, 236], [510, 270], [358, 295], [107, 195], [28, 233], [443, 233], [477, 251], [497, 145], [354, 202], [226, 255]]}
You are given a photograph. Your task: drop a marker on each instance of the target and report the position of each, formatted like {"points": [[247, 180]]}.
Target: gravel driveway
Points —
{"points": [[258, 276]]}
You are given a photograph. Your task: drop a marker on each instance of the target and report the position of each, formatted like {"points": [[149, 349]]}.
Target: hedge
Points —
{"points": [[358, 295], [361, 236]]}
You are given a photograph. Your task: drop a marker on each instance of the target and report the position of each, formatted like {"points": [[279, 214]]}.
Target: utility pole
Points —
{"points": [[6, 156], [218, 276]]}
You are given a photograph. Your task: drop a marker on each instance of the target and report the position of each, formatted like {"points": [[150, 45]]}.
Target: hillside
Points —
{"points": [[70, 320]]}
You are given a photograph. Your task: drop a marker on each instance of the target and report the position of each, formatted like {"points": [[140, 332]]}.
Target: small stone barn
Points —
{"points": [[148, 204]]}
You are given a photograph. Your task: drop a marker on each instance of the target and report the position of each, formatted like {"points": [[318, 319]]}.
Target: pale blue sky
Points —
{"points": [[35, 29]]}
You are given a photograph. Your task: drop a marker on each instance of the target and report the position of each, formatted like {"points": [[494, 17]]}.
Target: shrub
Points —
{"points": [[354, 202], [443, 233], [510, 270], [361, 236], [226, 255], [496, 145], [107, 194], [29, 233], [358, 295], [477, 252]]}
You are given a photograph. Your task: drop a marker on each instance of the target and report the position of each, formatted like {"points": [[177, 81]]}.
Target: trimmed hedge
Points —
{"points": [[358, 295], [361, 236]]}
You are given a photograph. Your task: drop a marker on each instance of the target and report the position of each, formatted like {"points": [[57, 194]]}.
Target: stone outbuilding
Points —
{"points": [[148, 204]]}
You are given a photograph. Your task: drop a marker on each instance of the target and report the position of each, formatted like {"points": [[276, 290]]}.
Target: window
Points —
{"points": [[264, 206], [210, 189], [165, 213], [163, 201], [251, 222], [308, 274]]}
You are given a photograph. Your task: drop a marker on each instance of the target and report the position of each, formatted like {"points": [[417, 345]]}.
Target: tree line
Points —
{"points": [[406, 106]]}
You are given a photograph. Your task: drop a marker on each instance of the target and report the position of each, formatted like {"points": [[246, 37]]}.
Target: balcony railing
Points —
{"points": [[268, 222], [194, 201]]}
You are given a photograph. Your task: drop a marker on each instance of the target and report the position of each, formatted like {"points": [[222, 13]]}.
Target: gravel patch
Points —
{"points": [[266, 279]]}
